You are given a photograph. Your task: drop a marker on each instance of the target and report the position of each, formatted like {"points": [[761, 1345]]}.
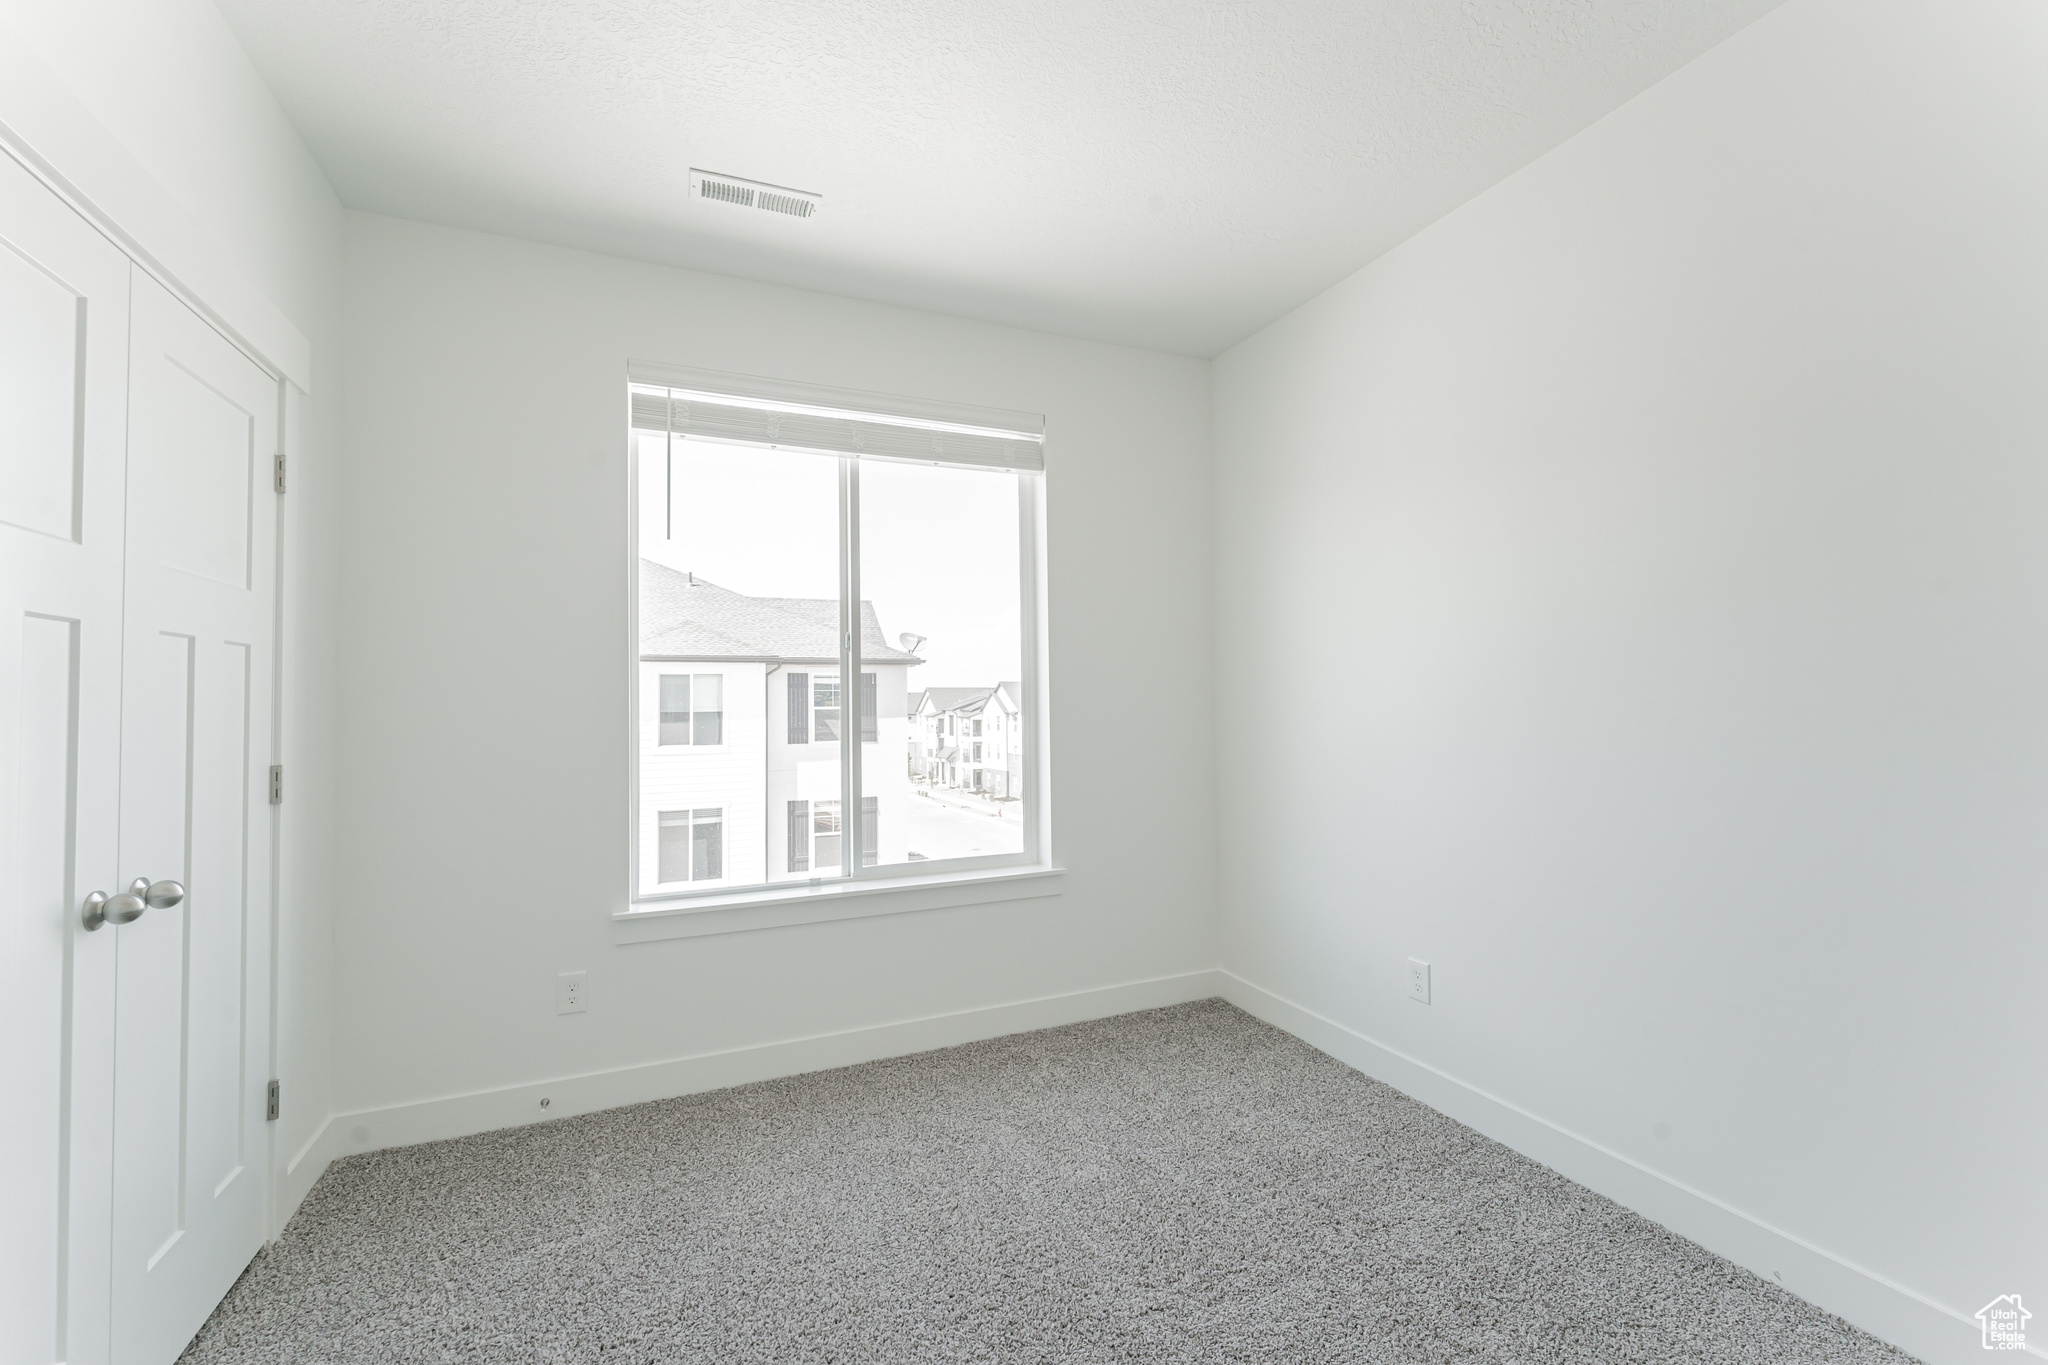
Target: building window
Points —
{"points": [[814, 708], [825, 708], [692, 846], [808, 563], [815, 834], [692, 708], [824, 835]]}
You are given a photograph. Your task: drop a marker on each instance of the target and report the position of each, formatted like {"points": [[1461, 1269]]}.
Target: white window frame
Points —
{"points": [[855, 890]]}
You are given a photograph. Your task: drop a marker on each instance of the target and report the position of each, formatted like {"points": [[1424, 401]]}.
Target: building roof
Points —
{"points": [[966, 700], [912, 702], [683, 616]]}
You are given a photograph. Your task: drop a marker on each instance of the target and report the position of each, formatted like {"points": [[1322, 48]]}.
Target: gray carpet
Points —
{"points": [[1184, 1184]]}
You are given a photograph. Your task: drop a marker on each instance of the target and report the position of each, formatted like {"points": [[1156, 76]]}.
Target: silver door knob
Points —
{"points": [[142, 894], [156, 895]]}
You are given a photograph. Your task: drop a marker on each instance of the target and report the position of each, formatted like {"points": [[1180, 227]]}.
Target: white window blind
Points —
{"points": [[705, 405]]}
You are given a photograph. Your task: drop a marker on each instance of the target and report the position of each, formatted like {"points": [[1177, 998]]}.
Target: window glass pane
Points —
{"points": [[675, 709], [825, 707], [739, 597], [707, 846], [674, 853], [709, 715], [825, 831], [939, 559]]}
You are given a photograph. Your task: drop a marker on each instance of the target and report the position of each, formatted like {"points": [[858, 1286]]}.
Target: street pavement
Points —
{"points": [[952, 824]]}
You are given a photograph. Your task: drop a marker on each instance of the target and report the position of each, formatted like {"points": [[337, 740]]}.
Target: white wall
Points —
{"points": [[169, 81], [485, 817], [1640, 583]]}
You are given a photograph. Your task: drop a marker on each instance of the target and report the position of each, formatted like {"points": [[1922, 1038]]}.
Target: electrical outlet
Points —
{"points": [[572, 993], [1418, 980]]}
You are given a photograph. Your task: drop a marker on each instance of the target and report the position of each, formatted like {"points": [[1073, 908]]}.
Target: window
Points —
{"points": [[824, 842], [814, 834], [807, 561], [826, 707], [814, 708], [680, 724], [692, 846]]}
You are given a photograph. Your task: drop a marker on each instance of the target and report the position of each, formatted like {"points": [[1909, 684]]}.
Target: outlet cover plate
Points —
{"points": [[572, 992], [1418, 980]]}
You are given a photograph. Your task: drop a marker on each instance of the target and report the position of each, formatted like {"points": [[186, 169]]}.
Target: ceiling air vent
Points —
{"points": [[752, 194]]}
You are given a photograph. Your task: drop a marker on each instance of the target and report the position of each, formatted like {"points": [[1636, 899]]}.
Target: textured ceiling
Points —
{"points": [[1164, 173]]}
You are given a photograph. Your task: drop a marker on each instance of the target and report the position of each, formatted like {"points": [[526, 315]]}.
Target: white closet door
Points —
{"points": [[63, 427], [192, 1032]]}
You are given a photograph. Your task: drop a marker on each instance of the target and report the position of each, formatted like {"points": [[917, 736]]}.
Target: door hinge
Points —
{"points": [[278, 472], [270, 1104], [277, 784]]}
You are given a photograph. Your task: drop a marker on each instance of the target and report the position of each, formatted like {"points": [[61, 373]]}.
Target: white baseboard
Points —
{"points": [[301, 1171], [402, 1125], [1885, 1309]]}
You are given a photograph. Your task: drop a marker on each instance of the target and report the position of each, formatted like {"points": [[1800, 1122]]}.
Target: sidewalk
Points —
{"points": [[968, 801]]}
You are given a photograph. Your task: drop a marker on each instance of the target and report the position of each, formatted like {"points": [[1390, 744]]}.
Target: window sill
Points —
{"points": [[779, 907]]}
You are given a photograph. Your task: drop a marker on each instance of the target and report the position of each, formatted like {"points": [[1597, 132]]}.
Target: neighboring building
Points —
{"points": [[1009, 700], [741, 720], [934, 721], [971, 738]]}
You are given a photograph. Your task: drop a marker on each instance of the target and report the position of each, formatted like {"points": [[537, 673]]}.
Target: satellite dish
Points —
{"points": [[910, 642]]}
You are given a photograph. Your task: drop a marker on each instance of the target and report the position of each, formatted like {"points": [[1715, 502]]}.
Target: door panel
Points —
{"points": [[221, 771], [209, 497], [63, 427], [190, 1056], [41, 378], [153, 999]]}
